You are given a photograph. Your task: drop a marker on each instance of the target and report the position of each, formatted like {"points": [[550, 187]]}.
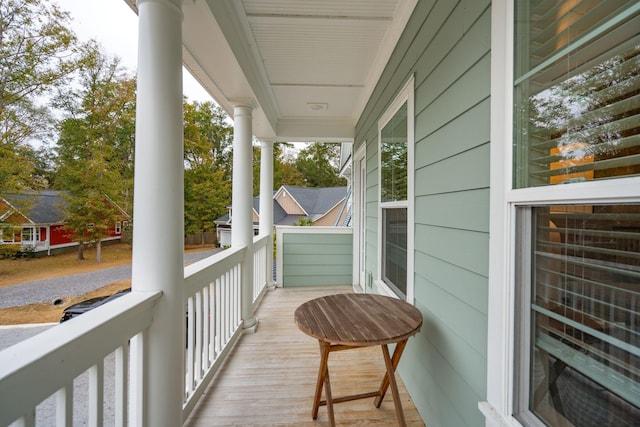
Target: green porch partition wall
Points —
{"points": [[446, 47], [312, 259]]}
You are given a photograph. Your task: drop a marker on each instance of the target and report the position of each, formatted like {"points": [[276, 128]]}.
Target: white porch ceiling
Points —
{"points": [[309, 65]]}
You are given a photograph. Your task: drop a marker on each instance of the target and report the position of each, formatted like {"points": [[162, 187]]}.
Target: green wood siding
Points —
{"points": [[311, 259], [446, 47]]}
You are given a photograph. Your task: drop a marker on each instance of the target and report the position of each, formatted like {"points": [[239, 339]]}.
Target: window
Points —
{"points": [[577, 115], [118, 227], [30, 234], [580, 270], [576, 121], [395, 144]]}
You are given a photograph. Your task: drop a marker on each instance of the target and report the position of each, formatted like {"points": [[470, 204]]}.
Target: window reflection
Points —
{"points": [[393, 157], [577, 118]]}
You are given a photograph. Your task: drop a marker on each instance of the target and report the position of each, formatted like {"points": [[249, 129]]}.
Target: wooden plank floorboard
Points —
{"points": [[270, 377]]}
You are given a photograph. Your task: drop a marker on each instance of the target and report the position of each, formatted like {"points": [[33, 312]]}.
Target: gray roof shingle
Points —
{"points": [[317, 201], [42, 207]]}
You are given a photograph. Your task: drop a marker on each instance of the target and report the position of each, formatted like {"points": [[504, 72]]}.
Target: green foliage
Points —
{"points": [[303, 222], [208, 139], [284, 166], [95, 148], [318, 163], [16, 251], [39, 54], [285, 171]]}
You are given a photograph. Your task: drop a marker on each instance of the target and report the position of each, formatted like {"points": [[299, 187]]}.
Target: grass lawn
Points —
{"points": [[13, 272]]}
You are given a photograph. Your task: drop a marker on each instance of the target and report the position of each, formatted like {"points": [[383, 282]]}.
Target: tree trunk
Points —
{"points": [[81, 251], [99, 251]]}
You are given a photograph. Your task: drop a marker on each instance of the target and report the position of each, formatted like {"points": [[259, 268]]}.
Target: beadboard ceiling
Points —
{"points": [[309, 65]]}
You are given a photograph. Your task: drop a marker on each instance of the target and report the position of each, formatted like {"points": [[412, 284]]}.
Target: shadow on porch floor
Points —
{"points": [[270, 376]]}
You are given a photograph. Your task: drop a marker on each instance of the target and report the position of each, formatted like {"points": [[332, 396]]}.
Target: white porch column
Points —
{"points": [[266, 203], [242, 204], [159, 212]]}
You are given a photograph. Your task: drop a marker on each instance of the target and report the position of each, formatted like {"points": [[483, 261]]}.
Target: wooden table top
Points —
{"points": [[358, 320]]}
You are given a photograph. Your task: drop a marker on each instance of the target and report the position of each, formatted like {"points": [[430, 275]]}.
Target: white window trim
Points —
{"points": [[406, 94], [498, 408], [358, 203]]}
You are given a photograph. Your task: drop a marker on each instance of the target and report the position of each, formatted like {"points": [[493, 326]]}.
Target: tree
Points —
{"points": [[284, 167], [38, 53], [318, 163], [95, 149], [208, 139]]}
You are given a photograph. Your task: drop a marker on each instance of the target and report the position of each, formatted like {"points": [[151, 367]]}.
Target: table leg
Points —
{"points": [[397, 353], [391, 367], [327, 392], [323, 375]]}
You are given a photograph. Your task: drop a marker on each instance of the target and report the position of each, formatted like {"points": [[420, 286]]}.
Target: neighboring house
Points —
{"points": [[323, 206], [37, 220]]}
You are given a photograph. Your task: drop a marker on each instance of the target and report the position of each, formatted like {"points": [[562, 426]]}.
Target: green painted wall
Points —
{"points": [[446, 46], [311, 259]]}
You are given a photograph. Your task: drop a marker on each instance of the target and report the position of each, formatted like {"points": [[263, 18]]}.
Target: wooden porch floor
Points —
{"points": [[270, 376]]}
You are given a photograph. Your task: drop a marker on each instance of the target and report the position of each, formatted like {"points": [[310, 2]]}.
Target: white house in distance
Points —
{"points": [[322, 206]]}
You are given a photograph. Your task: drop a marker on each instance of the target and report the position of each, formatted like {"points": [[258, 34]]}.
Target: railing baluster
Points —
{"points": [[219, 309], [212, 325], [224, 295], [206, 320], [189, 345], [198, 339], [236, 294], [96, 394], [64, 406], [121, 376]]}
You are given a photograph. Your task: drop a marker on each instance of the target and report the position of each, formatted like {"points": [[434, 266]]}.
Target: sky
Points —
{"points": [[115, 26]]}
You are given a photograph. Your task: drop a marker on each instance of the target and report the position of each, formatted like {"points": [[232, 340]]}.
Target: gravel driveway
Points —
{"points": [[77, 284]]}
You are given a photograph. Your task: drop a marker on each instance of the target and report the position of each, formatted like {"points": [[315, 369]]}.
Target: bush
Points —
{"points": [[16, 251], [9, 251]]}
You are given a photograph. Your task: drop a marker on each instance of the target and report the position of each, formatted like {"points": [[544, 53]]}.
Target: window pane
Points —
{"points": [[393, 157], [585, 315], [577, 112], [394, 263], [27, 235]]}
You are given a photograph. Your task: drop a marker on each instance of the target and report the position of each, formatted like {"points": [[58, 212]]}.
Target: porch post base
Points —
{"points": [[250, 326]]}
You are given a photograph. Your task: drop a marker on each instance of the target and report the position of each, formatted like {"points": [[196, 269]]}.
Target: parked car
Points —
{"points": [[89, 304]]}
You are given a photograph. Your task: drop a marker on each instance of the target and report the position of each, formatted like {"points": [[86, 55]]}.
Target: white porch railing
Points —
{"points": [[261, 270], [212, 292], [47, 364]]}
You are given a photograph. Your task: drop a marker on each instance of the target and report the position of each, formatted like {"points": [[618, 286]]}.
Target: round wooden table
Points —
{"points": [[346, 321]]}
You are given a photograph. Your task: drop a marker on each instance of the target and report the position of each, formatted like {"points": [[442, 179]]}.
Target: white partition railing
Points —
{"points": [[48, 364]]}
